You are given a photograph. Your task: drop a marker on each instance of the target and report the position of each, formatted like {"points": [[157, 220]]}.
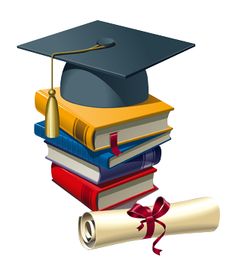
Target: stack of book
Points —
{"points": [[104, 157], [111, 128]]}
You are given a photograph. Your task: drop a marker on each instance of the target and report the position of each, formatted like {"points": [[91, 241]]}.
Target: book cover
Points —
{"points": [[100, 158], [97, 174], [86, 124], [91, 195]]}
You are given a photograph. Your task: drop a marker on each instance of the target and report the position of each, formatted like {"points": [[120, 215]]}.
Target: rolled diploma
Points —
{"points": [[102, 228]]}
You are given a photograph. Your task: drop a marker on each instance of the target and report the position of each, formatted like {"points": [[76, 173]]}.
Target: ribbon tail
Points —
{"points": [[150, 227], [141, 225], [154, 249], [113, 142]]}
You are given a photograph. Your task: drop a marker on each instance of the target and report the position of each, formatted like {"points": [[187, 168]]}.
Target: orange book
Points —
{"points": [[92, 126]]}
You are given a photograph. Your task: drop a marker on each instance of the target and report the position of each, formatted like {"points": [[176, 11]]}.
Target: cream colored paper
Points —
{"points": [[102, 228]]}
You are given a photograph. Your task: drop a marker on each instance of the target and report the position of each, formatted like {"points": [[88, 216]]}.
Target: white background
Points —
{"points": [[38, 219]]}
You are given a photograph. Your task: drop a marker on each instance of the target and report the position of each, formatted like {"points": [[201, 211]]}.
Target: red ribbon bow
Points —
{"points": [[161, 206]]}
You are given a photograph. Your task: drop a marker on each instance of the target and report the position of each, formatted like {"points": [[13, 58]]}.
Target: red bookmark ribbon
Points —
{"points": [[114, 144], [160, 208]]}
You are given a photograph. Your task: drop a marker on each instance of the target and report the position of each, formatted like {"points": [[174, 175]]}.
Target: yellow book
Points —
{"points": [[93, 126]]}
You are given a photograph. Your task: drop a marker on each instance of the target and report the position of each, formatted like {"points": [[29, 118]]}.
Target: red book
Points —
{"points": [[108, 195]]}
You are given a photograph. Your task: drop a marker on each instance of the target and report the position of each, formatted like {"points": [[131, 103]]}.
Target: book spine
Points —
{"points": [[77, 187], [141, 162], [72, 146], [80, 130]]}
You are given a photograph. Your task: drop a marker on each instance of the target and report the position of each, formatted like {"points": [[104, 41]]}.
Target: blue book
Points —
{"points": [[104, 158]]}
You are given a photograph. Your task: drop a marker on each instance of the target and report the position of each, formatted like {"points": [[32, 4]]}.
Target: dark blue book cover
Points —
{"points": [[100, 158], [104, 175]]}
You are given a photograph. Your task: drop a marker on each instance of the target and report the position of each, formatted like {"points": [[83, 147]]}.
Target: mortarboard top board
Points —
{"points": [[110, 77]]}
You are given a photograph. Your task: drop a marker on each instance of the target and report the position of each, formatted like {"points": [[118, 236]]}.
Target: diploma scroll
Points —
{"points": [[102, 228]]}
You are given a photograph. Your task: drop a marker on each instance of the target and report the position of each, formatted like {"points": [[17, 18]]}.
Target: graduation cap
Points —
{"points": [[105, 65]]}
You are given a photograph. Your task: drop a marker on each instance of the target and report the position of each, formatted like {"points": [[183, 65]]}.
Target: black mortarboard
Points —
{"points": [[105, 65], [109, 77]]}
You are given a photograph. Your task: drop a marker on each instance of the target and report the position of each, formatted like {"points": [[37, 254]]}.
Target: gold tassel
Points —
{"points": [[52, 113], [52, 116]]}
